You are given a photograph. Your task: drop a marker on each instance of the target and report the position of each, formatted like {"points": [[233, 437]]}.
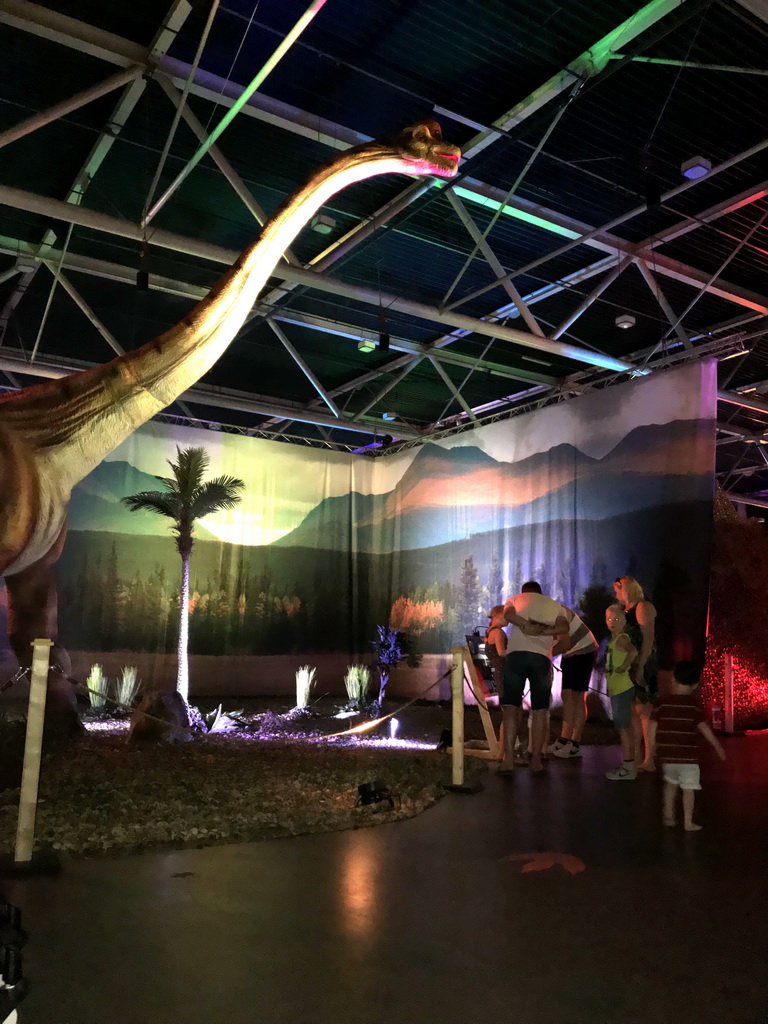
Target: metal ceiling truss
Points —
{"points": [[133, 59]]}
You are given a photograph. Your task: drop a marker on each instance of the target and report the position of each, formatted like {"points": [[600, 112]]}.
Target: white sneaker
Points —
{"points": [[567, 751], [557, 745], [624, 773]]}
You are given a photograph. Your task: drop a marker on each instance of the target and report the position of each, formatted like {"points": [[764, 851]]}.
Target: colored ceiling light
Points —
{"points": [[366, 345], [696, 167], [322, 224], [510, 211]]}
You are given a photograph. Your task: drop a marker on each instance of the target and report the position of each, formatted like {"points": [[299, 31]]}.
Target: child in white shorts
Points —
{"points": [[677, 725]]}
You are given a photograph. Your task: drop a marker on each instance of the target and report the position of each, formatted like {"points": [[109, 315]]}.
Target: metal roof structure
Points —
{"points": [[503, 289]]}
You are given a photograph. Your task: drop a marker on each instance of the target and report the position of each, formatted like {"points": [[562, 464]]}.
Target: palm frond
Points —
{"points": [[189, 468], [162, 503], [215, 496]]}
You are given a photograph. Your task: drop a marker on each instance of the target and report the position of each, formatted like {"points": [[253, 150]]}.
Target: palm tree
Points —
{"points": [[188, 497]]}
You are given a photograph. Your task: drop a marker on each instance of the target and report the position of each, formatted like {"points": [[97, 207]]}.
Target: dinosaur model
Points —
{"points": [[54, 434]]}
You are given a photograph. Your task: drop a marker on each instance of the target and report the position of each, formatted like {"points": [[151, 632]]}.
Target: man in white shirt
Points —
{"points": [[537, 620]]}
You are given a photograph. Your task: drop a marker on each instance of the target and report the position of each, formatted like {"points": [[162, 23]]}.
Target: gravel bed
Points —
{"points": [[280, 775], [102, 797]]}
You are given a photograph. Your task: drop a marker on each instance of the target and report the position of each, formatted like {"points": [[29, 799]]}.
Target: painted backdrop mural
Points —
{"points": [[327, 545]]}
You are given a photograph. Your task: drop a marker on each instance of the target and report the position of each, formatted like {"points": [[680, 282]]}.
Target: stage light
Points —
{"points": [[386, 441], [696, 167], [366, 345], [322, 224], [373, 793], [389, 416], [394, 725], [625, 321], [384, 342]]}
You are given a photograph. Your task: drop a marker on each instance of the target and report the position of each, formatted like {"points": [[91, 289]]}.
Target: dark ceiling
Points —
{"points": [[575, 118]]}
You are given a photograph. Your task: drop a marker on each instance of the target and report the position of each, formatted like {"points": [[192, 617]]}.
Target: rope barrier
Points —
{"points": [[365, 726]]}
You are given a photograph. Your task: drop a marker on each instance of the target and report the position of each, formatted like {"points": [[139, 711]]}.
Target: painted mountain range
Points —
{"points": [[449, 494], [96, 502]]}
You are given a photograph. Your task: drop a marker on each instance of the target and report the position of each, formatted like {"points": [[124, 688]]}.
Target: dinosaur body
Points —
{"points": [[54, 434]]}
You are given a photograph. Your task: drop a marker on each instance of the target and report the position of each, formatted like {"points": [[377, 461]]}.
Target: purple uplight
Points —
{"points": [[116, 727]]}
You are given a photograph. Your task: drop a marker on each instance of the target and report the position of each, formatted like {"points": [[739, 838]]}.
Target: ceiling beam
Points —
{"points": [[86, 38], [80, 99], [305, 369], [744, 401], [91, 266], [602, 238], [69, 32], [21, 200], [708, 216], [587, 64], [175, 18], [746, 499], [14, 361]]}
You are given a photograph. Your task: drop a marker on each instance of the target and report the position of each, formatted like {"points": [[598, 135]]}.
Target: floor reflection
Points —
{"points": [[360, 891]]}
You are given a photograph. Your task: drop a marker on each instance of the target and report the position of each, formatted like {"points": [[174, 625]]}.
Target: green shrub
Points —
{"points": [[357, 681], [97, 684], [305, 680], [127, 686]]}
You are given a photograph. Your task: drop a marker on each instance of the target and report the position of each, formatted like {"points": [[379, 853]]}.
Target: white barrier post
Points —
{"points": [[457, 704], [33, 748]]}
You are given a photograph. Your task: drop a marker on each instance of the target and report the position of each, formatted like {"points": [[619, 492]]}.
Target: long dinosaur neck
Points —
{"points": [[77, 420]]}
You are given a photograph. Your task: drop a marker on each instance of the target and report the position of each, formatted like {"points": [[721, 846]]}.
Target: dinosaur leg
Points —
{"points": [[33, 612]]}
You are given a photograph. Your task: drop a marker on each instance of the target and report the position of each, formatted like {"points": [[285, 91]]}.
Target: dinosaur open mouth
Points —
{"points": [[448, 163]]}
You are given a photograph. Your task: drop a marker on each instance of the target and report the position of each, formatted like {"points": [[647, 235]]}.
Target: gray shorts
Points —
{"points": [[621, 709], [686, 776], [521, 667]]}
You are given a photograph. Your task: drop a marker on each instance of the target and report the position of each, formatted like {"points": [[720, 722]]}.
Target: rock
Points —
{"points": [[160, 717]]}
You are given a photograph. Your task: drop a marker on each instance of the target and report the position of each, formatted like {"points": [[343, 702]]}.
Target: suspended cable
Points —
{"points": [[314, 8], [234, 59], [516, 184], [179, 109]]}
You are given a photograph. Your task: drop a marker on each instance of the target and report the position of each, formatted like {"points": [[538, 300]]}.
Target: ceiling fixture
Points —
{"points": [[322, 223], [366, 345], [389, 416], [625, 321], [384, 342], [696, 167], [142, 274]]}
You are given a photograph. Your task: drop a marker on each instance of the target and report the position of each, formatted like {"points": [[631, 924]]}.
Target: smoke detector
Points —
{"points": [[625, 321]]}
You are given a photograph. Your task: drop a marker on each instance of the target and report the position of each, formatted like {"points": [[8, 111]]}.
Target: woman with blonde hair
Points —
{"points": [[641, 630]]}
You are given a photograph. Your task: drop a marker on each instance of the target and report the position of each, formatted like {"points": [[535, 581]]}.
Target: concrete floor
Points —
{"points": [[425, 921]]}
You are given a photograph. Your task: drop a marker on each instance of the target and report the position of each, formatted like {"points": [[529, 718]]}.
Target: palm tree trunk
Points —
{"points": [[182, 672]]}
